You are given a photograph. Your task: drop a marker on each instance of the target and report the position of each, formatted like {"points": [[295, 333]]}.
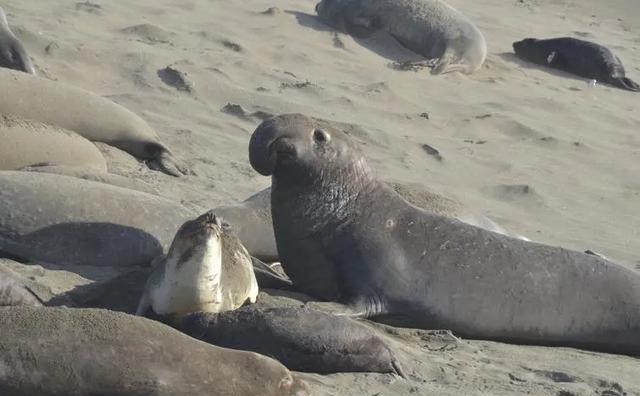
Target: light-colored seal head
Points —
{"points": [[12, 52], [206, 269]]}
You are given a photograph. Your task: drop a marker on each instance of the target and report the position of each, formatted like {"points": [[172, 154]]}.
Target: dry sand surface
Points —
{"points": [[540, 152]]}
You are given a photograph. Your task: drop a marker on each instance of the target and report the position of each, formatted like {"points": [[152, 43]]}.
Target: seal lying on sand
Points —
{"points": [[252, 218], [300, 338], [432, 28], [58, 351], [94, 117], [12, 52], [25, 143], [579, 57], [345, 236], [207, 269], [66, 220]]}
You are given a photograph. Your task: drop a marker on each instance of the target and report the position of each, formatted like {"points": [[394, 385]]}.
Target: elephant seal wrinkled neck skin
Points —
{"points": [[12, 52], [291, 160]]}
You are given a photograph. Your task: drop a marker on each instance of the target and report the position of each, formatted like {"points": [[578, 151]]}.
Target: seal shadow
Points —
{"points": [[380, 43], [510, 57]]}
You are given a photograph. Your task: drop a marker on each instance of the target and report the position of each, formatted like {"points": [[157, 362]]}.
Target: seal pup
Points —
{"points": [[300, 338], [207, 269], [582, 58], [344, 236], [61, 351], [431, 28], [93, 117], [12, 52], [27, 143], [70, 221]]}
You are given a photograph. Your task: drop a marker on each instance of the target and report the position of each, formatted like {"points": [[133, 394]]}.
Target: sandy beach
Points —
{"points": [[541, 152]]}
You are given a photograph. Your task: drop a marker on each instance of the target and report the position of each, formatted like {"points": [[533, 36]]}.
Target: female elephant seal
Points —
{"points": [[345, 236], [26, 143], [79, 352], [207, 269], [94, 117], [12, 52], [579, 57], [432, 28]]}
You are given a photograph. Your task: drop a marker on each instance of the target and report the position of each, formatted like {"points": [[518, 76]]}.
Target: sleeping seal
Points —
{"points": [[207, 269], [26, 143], [345, 236], [12, 52], [431, 28], [80, 352], [94, 117], [579, 57]]}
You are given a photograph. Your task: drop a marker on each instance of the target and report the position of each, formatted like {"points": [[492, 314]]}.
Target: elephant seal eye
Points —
{"points": [[320, 136]]}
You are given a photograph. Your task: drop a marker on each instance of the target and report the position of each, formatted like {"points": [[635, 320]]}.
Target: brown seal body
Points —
{"points": [[75, 352], [93, 117], [345, 236]]}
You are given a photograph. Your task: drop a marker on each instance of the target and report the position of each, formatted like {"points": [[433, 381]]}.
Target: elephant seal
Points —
{"points": [[431, 28], [300, 338], [582, 58], [69, 221], [344, 236], [26, 143], [252, 218], [12, 52], [207, 269], [13, 291], [61, 351], [93, 117]]}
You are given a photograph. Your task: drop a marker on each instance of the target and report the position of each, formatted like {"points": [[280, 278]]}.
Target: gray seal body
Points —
{"points": [[345, 236], [431, 28]]}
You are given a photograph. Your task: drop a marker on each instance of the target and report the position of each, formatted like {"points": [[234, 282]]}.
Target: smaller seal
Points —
{"points": [[12, 52], [14, 291], [207, 269], [432, 28], [582, 58], [302, 339]]}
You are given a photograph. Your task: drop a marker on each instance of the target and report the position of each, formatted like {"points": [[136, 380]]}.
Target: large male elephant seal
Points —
{"points": [[94, 117], [24, 143], [345, 236], [12, 52], [74, 352], [432, 28], [582, 58], [206, 270], [69, 221], [300, 338]]}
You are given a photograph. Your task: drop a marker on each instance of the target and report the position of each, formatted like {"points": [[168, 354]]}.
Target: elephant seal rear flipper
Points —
{"points": [[12, 52]]}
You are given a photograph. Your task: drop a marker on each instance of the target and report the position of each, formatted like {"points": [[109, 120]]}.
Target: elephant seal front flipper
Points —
{"points": [[12, 52]]}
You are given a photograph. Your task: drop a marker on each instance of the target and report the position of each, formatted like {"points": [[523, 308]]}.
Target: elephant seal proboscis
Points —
{"points": [[12, 52], [62, 351], [300, 338], [431, 28], [69, 221], [94, 117], [582, 58], [25, 143], [207, 269], [345, 236]]}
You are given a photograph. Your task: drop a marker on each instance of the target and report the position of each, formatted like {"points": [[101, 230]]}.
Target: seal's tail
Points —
{"points": [[626, 83]]}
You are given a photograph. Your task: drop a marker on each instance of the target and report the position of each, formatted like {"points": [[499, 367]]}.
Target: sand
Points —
{"points": [[540, 152]]}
